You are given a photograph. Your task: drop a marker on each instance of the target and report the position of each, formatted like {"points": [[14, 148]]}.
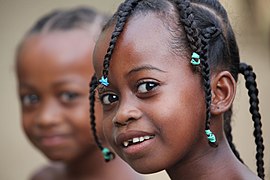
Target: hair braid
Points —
{"points": [[232, 51], [122, 15], [93, 85], [121, 18], [207, 88], [187, 19], [251, 85], [108, 155], [199, 43]]}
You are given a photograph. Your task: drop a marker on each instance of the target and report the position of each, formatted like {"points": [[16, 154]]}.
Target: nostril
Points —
{"points": [[117, 124], [120, 124], [126, 113]]}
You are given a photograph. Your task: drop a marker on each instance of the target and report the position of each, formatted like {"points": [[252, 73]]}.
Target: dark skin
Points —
{"points": [[153, 92], [53, 73]]}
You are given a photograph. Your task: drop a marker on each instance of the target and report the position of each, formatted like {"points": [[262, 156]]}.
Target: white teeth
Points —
{"points": [[146, 137], [125, 143], [134, 140]]}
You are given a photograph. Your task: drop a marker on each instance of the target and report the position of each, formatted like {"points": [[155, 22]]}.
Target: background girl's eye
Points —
{"points": [[146, 86], [29, 99], [68, 96], [108, 99]]}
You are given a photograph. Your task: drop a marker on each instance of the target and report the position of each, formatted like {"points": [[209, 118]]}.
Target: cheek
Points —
{"points": [[108, 129], [27, 123], [80, 121], [99, 116], [182, 113]]}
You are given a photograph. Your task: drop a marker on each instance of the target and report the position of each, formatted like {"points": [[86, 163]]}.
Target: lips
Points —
{"points": [[133, 137], [53, 140], [136, 140]]}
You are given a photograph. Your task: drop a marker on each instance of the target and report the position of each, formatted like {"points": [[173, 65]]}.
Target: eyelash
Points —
{"points": [[28, 100], [112, 98], [67, 97], [152, 84]]}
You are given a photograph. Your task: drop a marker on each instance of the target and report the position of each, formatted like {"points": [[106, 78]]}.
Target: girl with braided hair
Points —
{"points": [[166, 73], [54, 65]]}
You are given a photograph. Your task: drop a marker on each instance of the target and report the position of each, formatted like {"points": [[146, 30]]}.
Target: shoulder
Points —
{"points": [[51, 172]]}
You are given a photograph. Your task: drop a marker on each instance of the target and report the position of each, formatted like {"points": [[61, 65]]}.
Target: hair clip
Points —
{"points": [[104, 81], [195, 59], [210, 136], [107, 154]]}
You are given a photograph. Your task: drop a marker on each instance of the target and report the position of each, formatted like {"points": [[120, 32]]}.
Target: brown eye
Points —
{"points": [[108, 99], [146, 86], [29, 99], [68, 96]]}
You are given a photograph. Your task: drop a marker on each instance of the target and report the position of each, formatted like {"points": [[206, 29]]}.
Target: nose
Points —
{"points": [[126, 113], [48, 115]]}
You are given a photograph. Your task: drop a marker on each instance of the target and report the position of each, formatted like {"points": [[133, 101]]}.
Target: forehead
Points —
{"points": [[64, 43], [142, 35], [56, 53]]}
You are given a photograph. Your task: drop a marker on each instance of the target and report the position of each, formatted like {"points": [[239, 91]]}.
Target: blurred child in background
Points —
{"points": [[54, 66]]}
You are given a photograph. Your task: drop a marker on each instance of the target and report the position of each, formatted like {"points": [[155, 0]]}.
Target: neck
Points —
{"points": [[91, 165], [88, 164], [213, 163]]}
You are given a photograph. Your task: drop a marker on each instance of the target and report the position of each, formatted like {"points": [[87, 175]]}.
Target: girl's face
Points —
{"points": [[153, 108], [54, 70]]}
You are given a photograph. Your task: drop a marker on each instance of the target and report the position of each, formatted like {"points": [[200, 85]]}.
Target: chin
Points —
{"points": [[55, 157], [143, 168], [58, 156]]}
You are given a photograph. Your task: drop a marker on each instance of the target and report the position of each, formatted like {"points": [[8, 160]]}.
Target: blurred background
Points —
{"points": [[250, 20]]}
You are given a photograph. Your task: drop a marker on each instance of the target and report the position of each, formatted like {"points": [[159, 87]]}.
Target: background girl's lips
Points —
{"points": [[53, 140]]}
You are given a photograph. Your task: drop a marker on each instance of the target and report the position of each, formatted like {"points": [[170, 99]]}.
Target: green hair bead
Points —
{"points": [[107, 154], [210, 136], [195, 59]]}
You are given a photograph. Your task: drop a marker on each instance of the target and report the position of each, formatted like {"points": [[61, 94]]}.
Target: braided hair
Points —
{"points": [[208, 34], [65, 20]]}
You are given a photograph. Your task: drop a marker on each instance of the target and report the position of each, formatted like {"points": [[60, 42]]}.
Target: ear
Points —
{"points": [[223, 88]]}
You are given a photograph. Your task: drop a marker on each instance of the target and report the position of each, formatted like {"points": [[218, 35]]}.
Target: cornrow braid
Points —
{"points": [[108, 155], [251, 85], [187, 19], [122, 15], [199, 43]]}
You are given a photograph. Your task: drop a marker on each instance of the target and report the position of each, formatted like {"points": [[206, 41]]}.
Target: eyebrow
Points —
{"points": [[67, 81], [146, 67]]}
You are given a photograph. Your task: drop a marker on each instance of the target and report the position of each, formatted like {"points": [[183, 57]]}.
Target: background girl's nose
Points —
{"points": [[48, 115]]}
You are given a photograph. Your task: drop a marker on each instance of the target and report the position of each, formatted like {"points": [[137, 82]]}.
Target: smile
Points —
{"points": [[136, 140]]}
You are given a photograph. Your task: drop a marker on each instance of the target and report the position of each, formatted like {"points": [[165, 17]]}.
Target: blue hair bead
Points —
{"points": [[195, 59], [104, 81], [210, 136]]}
